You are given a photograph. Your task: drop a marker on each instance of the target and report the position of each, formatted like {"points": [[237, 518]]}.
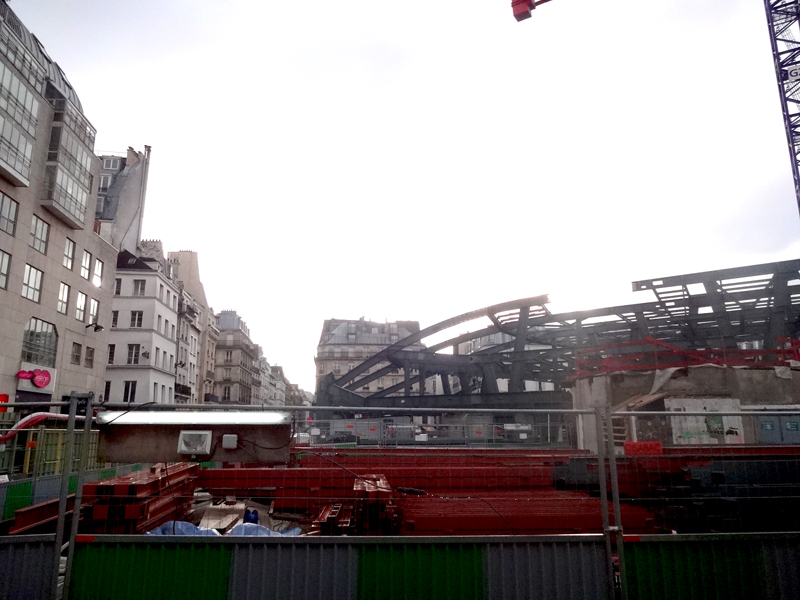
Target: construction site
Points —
{"points": [[568, 457], [646, 450]]}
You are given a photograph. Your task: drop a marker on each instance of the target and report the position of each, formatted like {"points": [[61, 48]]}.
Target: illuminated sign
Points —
{"points": [[40, 378], [36, 378]]}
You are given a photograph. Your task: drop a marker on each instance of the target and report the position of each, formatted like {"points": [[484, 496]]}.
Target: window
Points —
{"points": [[392, 327], [228, 356], [94, 309], [155, 392], [226, 393], [80, 307], [161, 291], [97, 280], [133, 354], [8, 214], [138, 287], [39, 233], [5, 264], [117, 286], [105, 183], [226, 373], [163, 393], [63, 298], [75, 359], [159, 324], [111, 164], [130, 392], [69, 254], [32, 283], [172, 337], [86, 262], [88, 359], [321, 369], [106, 392], [168, 298], [114, 317], [136, 318], [111, 350], [39, 343]]}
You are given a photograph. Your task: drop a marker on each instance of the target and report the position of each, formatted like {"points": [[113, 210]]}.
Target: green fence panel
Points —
{"points": [[693, 570], [155, 571], [424, 571], [17, 496]]}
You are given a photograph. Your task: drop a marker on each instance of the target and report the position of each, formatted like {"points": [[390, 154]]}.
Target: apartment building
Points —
{"points": [[198, 321], [121, 192], [236, 360], [143, 349], [56, 272], [344, 343]]}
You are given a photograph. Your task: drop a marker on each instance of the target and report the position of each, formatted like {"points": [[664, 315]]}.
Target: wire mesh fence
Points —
{"points": [[686, 473], [528, 474]]}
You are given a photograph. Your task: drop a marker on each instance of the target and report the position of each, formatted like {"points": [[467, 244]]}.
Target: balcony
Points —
{"points": [[66, 113], [183, 391], [65, 198], [187, 309]]}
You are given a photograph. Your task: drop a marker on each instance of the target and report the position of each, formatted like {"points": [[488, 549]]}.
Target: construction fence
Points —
{"points": [[685, 505]]}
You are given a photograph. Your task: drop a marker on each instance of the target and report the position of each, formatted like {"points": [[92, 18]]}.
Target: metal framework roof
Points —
{"points": [[698, 311]]}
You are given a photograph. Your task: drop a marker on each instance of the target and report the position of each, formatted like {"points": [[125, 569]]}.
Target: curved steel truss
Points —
{"points": [[716, 309]]}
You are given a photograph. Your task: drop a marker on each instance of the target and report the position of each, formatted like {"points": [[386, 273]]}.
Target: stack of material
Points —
{"points": [[140, 501], [512, 513]]}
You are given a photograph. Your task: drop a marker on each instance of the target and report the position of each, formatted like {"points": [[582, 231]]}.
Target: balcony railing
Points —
{"points": [[182, 390], [68, 114]]}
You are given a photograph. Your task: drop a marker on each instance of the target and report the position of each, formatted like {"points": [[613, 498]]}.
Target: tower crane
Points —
{"points": [[783, 19]]}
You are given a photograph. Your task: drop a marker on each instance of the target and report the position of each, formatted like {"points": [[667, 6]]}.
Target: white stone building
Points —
{"points": [[200, 355], [142, 351]]}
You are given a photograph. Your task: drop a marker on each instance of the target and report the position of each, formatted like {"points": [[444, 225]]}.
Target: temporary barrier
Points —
{"points": [[117, 567], [26, 567], [730, 566]]}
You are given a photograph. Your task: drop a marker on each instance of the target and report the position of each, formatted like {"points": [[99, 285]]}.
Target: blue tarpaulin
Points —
{"points": [[251, 529]]}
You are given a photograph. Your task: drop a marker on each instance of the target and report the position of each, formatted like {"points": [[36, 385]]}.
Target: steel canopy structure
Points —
{"points": [[755, 306]]}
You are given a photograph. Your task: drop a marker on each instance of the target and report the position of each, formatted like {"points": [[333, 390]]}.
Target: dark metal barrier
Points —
{"points": [[26, 567], [119, 567]]}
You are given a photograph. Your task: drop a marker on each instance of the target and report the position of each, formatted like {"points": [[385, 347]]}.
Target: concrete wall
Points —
{"points": [[751, 387]]}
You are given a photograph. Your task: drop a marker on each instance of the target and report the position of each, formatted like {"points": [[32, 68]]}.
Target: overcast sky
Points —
{"points": [[419, 159]]}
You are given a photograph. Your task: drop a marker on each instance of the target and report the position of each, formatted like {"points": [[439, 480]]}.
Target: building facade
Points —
{"points": [[121, 191], [143, 349], [345, 343], [56, 272], [236, 360], [202, 323], [186, 373]]}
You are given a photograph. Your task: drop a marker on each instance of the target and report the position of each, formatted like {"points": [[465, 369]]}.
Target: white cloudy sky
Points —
{"points": [[418, 159]]}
